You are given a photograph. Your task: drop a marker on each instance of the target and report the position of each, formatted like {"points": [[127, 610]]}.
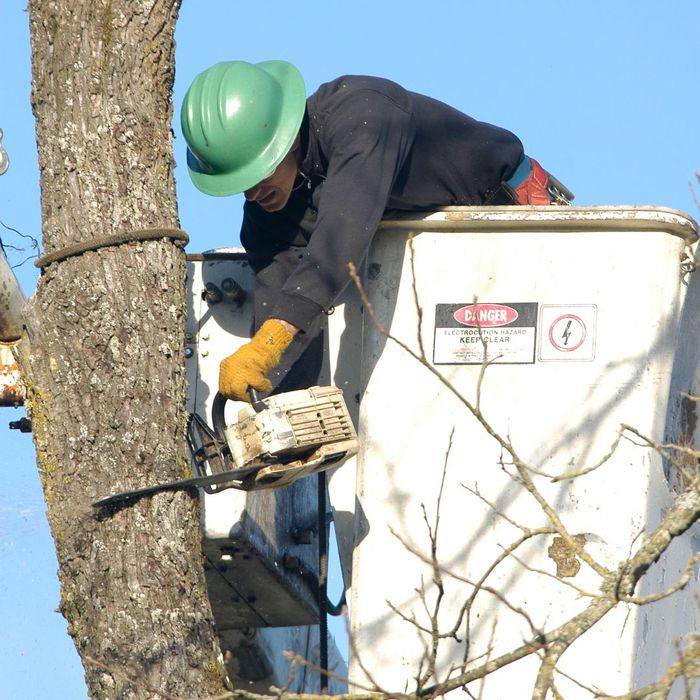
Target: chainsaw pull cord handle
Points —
{"points": [[219, 404]]}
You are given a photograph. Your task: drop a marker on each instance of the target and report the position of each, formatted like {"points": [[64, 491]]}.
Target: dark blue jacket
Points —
{"points": [[368, 147]]}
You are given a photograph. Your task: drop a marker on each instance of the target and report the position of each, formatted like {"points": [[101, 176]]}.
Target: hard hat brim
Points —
{"points": [[291, 115]]}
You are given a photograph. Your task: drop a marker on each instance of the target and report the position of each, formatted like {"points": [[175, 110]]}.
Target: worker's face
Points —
{"points": [[273, 192]]}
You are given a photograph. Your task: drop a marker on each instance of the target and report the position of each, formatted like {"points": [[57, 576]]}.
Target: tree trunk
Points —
{"points": [[106, 330]]}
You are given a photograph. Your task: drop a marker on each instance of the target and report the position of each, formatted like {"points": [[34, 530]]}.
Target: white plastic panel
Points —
{"points": [[581, 313]]}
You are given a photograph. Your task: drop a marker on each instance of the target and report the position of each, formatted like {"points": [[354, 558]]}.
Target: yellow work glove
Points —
{"points": [[249, 364]]}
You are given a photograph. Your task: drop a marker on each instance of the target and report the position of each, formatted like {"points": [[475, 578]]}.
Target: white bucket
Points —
{"points": [[580, 309]]}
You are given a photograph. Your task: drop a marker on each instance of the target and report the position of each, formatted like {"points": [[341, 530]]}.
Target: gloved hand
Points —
{"points": [[249, 364]]}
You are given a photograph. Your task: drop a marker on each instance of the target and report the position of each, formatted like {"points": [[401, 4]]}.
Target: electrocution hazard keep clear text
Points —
{"points": [[494, 332]]}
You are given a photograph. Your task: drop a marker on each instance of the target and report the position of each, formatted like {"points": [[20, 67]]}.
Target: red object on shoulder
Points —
{"points": [[533, 190]]}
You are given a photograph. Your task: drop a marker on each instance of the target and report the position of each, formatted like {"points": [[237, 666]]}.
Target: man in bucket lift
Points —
{"points": [[318, 175]]}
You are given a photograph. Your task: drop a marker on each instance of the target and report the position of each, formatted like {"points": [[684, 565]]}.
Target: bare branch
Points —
{"points": [[558, 579], [587, 470], [437, 575], [545, 677], [301, 661], [292, 673], [668, 451], [679, 585], [416, 302], [489, 651], [682, 515], [687, 666], [595, 692], [485, 362], [692, 190], [463, 579], [572, 629], [498, 511], [358, 659], [34, 245]]}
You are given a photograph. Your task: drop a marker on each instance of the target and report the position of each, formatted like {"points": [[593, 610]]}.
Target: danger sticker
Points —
{"points": [[469, 334]]}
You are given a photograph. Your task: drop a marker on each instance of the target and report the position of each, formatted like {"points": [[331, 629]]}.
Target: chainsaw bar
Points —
{"points": [[236, 478], [299, 434]]}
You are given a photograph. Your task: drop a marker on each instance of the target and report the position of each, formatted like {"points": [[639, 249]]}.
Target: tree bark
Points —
{"points": [[106, 330]]}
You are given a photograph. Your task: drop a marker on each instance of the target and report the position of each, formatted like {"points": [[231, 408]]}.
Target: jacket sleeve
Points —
{"points": [[367, 140]]}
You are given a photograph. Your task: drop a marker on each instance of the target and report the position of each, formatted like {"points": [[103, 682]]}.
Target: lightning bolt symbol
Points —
{"points": [[567, 333]]}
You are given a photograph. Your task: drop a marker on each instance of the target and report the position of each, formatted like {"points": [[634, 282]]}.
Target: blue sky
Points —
{"points": [[603, 93]]}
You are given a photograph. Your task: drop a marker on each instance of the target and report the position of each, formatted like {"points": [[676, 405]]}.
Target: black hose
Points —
{"points": [[295, 565], [323, 581]]}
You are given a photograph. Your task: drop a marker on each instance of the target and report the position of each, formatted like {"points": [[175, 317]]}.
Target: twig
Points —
{"points": [[593, 691], [665, 450], [684, 669], [463, 579], [497, 511], [437, 574], [291, 677], [295, 658], [545, 676], [680, 584], [682, 515], [358, 659], [479, 585], [558, 579], [416, 302], [687, 666], [4, 246], [485, 362], [692, 190], [587, 470], [489, 651]]}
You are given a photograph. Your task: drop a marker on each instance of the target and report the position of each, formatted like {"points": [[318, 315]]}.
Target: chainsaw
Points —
{"points": [[274, 442]]}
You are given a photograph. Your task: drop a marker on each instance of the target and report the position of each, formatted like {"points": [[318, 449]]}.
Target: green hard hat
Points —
{"points": [[240, 120]]}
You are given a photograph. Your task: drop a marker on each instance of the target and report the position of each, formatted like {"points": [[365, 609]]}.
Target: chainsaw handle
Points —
{"points": [[256, 402], [219, 404], [217, 416]]}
